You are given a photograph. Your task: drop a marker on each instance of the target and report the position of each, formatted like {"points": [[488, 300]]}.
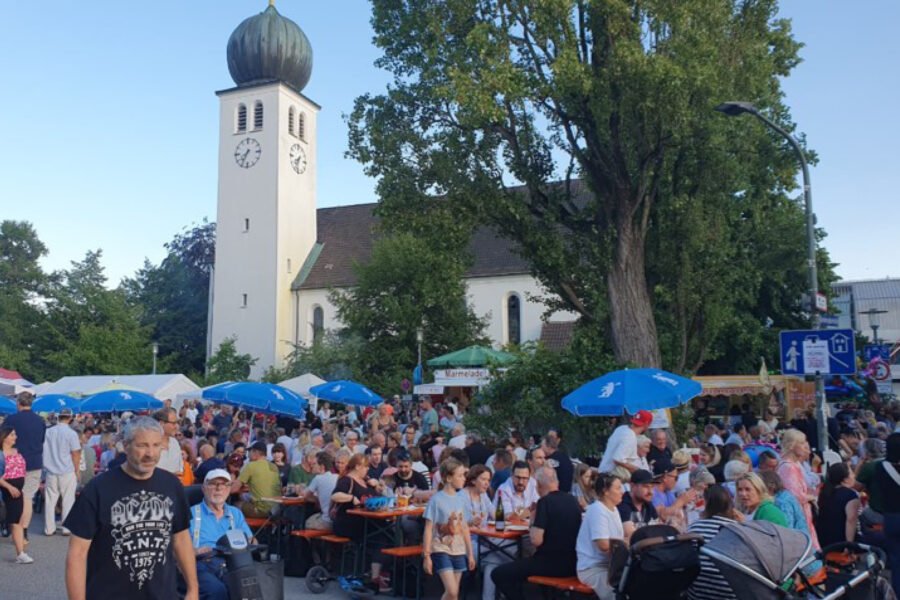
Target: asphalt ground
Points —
{"points": [[45, 578]]}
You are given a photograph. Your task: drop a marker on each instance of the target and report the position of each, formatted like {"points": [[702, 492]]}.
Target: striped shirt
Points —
{"points": [[710, 584]]}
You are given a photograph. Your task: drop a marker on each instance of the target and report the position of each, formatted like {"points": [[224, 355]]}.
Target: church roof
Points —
{"points": [[346, 235], [557, 335]]}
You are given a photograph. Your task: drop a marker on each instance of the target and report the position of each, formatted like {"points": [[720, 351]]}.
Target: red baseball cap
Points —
{"points": [[643, 418]]}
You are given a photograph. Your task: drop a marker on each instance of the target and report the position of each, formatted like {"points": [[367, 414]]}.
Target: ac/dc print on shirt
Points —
{"points": [[131, 524], [141, 532]]}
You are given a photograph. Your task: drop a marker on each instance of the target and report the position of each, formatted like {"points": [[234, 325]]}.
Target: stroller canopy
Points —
{"points": [[761, 548]]}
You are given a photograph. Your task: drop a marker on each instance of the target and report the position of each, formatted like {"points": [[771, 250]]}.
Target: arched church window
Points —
{"points": [[514, 319], [301, 129], [258, 115], [292, 117], [318, 324], [241, 118]]}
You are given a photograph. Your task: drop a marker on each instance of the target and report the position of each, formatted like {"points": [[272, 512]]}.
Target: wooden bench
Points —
{"points": [[401, 554], [309, 534], [567, 585]]}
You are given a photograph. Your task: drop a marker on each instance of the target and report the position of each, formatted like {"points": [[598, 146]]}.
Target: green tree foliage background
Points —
{"points": [[673, 228]]}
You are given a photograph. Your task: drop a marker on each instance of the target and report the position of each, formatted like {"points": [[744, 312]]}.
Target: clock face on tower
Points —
{"points": [[298, 158], [247, 153]]}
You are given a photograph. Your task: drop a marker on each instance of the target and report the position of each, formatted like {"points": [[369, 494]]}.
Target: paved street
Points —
{"points": [[45, 579]]}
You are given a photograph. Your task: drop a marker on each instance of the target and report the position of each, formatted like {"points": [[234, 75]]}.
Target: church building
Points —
{"points": [[277, 255]]}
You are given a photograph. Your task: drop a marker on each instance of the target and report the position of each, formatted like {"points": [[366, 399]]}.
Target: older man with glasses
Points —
{"points": [[170, 458], [210, 520]]}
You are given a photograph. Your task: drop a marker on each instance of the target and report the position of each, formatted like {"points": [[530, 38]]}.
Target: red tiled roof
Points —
{"points": [[347, 234], [557, 336], [7, 374]]}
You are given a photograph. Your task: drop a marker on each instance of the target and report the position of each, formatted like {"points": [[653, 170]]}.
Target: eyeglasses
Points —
{"points": [[170, 422], [218, 484]]}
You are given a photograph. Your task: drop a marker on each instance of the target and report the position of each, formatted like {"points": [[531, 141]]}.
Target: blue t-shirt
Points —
{"points": [[30, 430], [448, 514], [211, 529], [499, 478]]}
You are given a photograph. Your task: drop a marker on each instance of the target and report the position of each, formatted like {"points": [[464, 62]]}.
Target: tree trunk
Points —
{"points": [[633, 327]]}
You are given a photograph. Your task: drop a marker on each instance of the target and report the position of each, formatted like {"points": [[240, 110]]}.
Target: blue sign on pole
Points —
{"points": [[882, 351], [818, 351]]}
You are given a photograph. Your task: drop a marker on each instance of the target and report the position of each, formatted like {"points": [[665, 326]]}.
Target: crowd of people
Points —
{"points": [[736, 469]]}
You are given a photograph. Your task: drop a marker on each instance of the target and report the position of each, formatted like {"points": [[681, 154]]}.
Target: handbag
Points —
{"points": [[333, 511]]}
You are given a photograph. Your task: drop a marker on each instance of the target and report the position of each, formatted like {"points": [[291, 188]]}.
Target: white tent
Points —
{"points": [[163, 387], [302, 384], [11, 387]]}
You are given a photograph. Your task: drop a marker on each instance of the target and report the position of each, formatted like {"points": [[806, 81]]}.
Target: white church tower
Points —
{"points": [[266, 221]]}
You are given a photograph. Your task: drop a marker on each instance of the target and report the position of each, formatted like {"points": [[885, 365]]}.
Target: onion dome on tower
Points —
{"points": [[268, 47]]}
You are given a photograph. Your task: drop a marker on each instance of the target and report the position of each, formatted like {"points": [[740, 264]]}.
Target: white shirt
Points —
{"points": [[716, 440], [322, 485], [621, 447], [59, 444], [170, 458], [513, 501], [191, 414], [458, 442], [598, 523]]}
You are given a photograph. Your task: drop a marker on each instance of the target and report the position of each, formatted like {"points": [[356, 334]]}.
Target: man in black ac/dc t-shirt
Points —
{"points": [[554, 531], [129, 526]]}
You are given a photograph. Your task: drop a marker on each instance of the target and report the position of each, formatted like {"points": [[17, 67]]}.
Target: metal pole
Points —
{"points": [[155, 352], [821, 416]]}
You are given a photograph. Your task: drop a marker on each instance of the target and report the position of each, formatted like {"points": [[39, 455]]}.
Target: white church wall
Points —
{"points": [[487, 296]]}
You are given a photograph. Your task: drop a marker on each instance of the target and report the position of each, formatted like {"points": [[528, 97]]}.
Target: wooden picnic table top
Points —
{"points": [[289, 500], [412, 511], [491, 532]]}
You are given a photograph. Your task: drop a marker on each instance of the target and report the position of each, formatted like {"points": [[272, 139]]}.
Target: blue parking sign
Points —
{"points": [[818, 352]]}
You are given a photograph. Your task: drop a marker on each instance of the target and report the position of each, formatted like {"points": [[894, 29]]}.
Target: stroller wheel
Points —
{"points": [[317, 579]]}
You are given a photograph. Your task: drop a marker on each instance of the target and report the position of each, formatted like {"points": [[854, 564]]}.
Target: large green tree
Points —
{"points": [[175, 298], [90, 329], [632, 198], [22, 281], [408, 283]]}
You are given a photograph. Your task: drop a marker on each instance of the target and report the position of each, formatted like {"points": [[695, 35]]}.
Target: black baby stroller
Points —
{"points": [[660, 564], [759, 561]]}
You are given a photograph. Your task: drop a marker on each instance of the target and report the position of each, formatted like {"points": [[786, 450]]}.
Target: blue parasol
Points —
{"points": [[629, 391], [53, 403], [7, 406], [346, 392], [258, 397], [119, 401]]}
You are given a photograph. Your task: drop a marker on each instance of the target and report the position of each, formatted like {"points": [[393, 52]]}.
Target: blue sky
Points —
{"points": [[111, 119]]}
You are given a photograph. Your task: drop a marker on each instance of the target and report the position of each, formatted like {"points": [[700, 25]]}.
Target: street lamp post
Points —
{"points": [[155, 354], [734, 109], [874, 315], [420, 337]]}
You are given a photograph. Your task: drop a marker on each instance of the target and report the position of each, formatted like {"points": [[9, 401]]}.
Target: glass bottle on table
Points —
{"points": [[499, 515]]}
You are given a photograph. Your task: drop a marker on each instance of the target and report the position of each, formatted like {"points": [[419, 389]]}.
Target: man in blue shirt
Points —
{"points": [[210, 520]]}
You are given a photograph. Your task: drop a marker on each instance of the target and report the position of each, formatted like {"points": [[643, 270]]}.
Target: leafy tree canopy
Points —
{"points": [[671, 224], [227, 365], [407, 284], [175, 298]]}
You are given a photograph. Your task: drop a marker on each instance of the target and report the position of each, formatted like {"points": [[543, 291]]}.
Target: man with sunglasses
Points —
{"points": [[210, 520], [170, 458]]}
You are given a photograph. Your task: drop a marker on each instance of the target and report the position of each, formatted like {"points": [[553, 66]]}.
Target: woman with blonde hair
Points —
{"points": [[583, 485], [795, 451], [755, 501]]}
